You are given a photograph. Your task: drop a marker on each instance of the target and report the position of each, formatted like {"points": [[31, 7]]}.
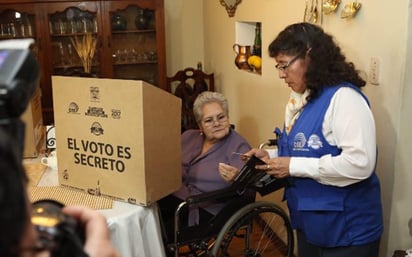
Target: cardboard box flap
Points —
{"points": [[118, 138]]}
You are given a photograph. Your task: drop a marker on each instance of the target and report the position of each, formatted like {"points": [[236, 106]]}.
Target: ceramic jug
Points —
{"points": [[243, 54]]}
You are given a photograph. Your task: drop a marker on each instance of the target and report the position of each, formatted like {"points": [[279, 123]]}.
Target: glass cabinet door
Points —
{"points": [[133, 44], [24, 21], [16, 24], [74, 42]]}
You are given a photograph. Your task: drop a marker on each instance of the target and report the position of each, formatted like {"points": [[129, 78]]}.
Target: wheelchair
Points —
{"points": [[244, 227]]}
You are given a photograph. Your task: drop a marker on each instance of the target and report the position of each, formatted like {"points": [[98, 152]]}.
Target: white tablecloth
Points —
{"points": [[134, 230]]}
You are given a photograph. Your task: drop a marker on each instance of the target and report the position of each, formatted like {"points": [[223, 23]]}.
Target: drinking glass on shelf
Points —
{"points": [[72, 26], [29, 29], [70, 54], [84, 25], [52, 28], [95, 28], [145, 56], [3, 30], [151, 55], [118, 56], [60, 27], [62, 55], [132, 55], [22, 28], [12, 29], [139, 57], [26, 29]]}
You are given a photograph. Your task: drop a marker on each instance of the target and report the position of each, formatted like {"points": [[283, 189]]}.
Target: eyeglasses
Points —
{"points": [[285, 66], [209, 121]]}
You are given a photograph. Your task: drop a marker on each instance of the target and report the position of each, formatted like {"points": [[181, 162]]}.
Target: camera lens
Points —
{"points": [[47, 217], [57, 231]]}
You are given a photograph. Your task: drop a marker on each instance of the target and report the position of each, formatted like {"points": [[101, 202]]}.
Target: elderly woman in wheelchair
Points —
{"points": [[213, 192]]}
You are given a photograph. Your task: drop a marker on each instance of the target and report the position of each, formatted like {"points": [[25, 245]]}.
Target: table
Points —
{"points": [[134, 230]]}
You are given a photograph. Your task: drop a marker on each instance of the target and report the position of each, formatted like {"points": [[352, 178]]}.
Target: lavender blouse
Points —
{"points": [[200, 173]]}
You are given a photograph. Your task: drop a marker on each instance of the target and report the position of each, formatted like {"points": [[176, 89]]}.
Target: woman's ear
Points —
{"points": [[200, 128]]}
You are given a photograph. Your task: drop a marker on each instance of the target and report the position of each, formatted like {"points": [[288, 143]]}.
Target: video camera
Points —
{"points": [[19, 74]]}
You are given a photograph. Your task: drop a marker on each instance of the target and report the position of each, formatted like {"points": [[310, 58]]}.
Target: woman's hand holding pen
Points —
{"points": [[228, 172], [259, 153]]}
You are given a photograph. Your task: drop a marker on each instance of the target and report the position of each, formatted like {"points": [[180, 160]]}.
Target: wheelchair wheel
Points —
{"points": [[259, 229]]}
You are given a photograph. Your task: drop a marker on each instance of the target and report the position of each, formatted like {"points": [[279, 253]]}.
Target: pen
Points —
{"points": [[242, 155]]}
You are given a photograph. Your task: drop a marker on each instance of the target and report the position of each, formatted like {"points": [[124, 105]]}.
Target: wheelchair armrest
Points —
{"points": [[268, 143], [213, 195]]}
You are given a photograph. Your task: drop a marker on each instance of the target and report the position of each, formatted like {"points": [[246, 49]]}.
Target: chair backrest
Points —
{"points": [[187, 84]]}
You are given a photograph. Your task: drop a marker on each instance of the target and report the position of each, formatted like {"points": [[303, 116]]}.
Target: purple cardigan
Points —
{"points": [[202, 175]]}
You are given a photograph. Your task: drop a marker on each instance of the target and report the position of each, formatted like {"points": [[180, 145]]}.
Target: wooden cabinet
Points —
{"points": [[108, 39]]}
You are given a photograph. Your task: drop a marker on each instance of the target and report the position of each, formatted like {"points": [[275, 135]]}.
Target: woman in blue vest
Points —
{"points": [[327, 149]]}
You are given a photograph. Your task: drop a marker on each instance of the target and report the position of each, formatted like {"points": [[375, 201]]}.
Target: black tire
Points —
{"points": [[265, 220]]}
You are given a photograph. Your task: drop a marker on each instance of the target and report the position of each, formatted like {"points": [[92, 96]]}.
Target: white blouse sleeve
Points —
{"points": [[348, 124]]}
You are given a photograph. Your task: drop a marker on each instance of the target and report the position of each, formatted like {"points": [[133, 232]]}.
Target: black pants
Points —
{"points": [[309, 250], [167, 207]]}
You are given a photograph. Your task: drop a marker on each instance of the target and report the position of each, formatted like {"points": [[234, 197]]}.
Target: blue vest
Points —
{"points": [[329, 216]]}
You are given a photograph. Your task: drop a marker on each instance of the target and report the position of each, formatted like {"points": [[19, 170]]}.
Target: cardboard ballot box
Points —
{"points": [[34, 129], [117, 138]]}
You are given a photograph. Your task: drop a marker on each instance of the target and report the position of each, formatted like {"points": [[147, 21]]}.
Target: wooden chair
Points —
{"points": [[187, 84]]}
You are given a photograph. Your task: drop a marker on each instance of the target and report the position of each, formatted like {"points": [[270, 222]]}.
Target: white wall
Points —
{"points": [[184, 34], [380, 29], [400, 214]]}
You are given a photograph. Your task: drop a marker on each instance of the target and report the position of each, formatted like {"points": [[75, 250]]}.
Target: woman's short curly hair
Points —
{"points": [[327, 65], [209, 97]]}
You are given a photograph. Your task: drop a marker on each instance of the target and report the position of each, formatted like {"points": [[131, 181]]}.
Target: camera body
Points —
{"points": [[58, 233], [19, 74]]}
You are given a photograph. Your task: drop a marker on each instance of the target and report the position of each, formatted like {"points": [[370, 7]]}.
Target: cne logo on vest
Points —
{"points": [[299, 142], [314, 142]]}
